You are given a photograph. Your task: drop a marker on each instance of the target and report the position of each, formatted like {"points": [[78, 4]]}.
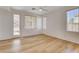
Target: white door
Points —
{"points": [[16, 23]]}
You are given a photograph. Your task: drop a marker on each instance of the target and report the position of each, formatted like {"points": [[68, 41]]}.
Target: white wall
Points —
{"points": [[56, 25], [25, 32], [28, 32], [6, 24]]}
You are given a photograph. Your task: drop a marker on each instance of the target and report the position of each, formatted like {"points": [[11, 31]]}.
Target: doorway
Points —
{"points": [[16, 25]]}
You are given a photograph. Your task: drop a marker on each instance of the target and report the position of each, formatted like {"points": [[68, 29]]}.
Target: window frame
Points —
{"points": [[75, 26]]}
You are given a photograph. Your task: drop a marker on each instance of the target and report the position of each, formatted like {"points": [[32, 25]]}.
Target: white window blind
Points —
{"points": [[35, 22], [44, 23], [39, 22], [30, 22]]}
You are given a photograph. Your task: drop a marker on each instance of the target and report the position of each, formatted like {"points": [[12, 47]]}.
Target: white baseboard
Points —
{"points": [[62, 38]]}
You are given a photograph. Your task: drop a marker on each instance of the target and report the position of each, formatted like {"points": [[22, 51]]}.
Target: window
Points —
{"points": [[44, 23], [39, 22], [35, 22], [30, 22], [16, 29], [73, 20]]}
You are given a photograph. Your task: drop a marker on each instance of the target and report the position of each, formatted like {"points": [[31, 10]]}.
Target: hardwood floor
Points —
{"points": [[38, 44]]}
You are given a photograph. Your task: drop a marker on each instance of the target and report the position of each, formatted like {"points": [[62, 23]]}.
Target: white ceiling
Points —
{"points": [[29, 8]]}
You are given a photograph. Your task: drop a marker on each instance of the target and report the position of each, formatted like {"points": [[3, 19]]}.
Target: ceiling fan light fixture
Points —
{"points": [[40, 9]]}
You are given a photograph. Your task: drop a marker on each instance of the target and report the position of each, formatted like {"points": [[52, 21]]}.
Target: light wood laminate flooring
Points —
{"points": [[38, 44]]}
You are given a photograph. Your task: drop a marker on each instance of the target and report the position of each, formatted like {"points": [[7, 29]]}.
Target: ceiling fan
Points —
{"points": [[39, 9]]}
